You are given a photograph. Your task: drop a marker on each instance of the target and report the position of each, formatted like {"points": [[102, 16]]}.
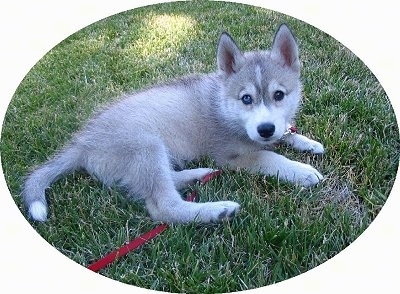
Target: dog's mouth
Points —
{"points": [[271, 140], [268, 141]]}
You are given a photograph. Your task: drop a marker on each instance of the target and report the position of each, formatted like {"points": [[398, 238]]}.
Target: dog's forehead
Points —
{"points": [[262, 70]]}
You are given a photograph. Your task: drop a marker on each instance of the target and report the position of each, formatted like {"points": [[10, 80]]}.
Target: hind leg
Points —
{"points": [[149, 175], [164, 203], [174, 210]]}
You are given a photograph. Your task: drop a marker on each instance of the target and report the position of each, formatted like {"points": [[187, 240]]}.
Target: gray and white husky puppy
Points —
{"points": [[233, 116]]}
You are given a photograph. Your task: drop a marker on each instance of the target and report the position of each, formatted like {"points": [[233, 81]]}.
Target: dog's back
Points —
{"points": [[180, 113]]}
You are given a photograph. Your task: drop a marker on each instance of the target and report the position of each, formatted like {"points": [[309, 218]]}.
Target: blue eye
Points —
{"points": [[246, 99]]}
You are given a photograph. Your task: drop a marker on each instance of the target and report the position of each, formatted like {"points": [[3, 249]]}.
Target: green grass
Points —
{"points": [[282, 230]]}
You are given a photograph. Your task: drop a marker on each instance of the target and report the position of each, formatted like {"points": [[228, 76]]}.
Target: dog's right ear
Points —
{"points": [[229, 56]]}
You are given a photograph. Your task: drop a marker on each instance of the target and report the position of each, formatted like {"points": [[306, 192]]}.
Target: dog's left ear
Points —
{"points": [[285, 49], [229, 56]]}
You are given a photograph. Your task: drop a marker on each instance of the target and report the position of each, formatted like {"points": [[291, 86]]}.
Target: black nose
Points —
{"points": [[266, 130]]}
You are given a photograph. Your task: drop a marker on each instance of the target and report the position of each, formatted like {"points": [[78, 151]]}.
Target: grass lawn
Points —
{"points": [[282, 230]]}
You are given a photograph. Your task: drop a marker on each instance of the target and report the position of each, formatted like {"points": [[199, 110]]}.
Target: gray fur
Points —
{"points": [[137, 142]]}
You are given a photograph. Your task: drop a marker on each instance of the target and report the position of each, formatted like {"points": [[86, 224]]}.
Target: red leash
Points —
{"points": [[137, 242]]}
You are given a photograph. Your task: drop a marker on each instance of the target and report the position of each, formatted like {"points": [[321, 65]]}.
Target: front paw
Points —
{"points": [[304, 175], [315, 147], [303, 143]]}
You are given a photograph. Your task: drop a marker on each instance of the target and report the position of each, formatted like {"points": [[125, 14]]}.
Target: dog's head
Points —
{"points": [[261, 89]]}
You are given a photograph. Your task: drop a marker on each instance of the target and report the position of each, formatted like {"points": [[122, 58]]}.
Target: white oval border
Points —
{"points": [[29, 29]]}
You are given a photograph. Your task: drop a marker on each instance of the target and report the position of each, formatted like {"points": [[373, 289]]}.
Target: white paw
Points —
{"points": [[185, 212], [302, 143], [315, 147], [305, 175], [217, 211]]}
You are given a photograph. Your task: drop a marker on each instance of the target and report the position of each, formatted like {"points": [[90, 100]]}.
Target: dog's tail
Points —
{"points": [[33, 190]]}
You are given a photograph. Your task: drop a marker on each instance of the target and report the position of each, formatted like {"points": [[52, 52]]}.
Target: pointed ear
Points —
{"points": [[285, 49], [229, 56]]}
